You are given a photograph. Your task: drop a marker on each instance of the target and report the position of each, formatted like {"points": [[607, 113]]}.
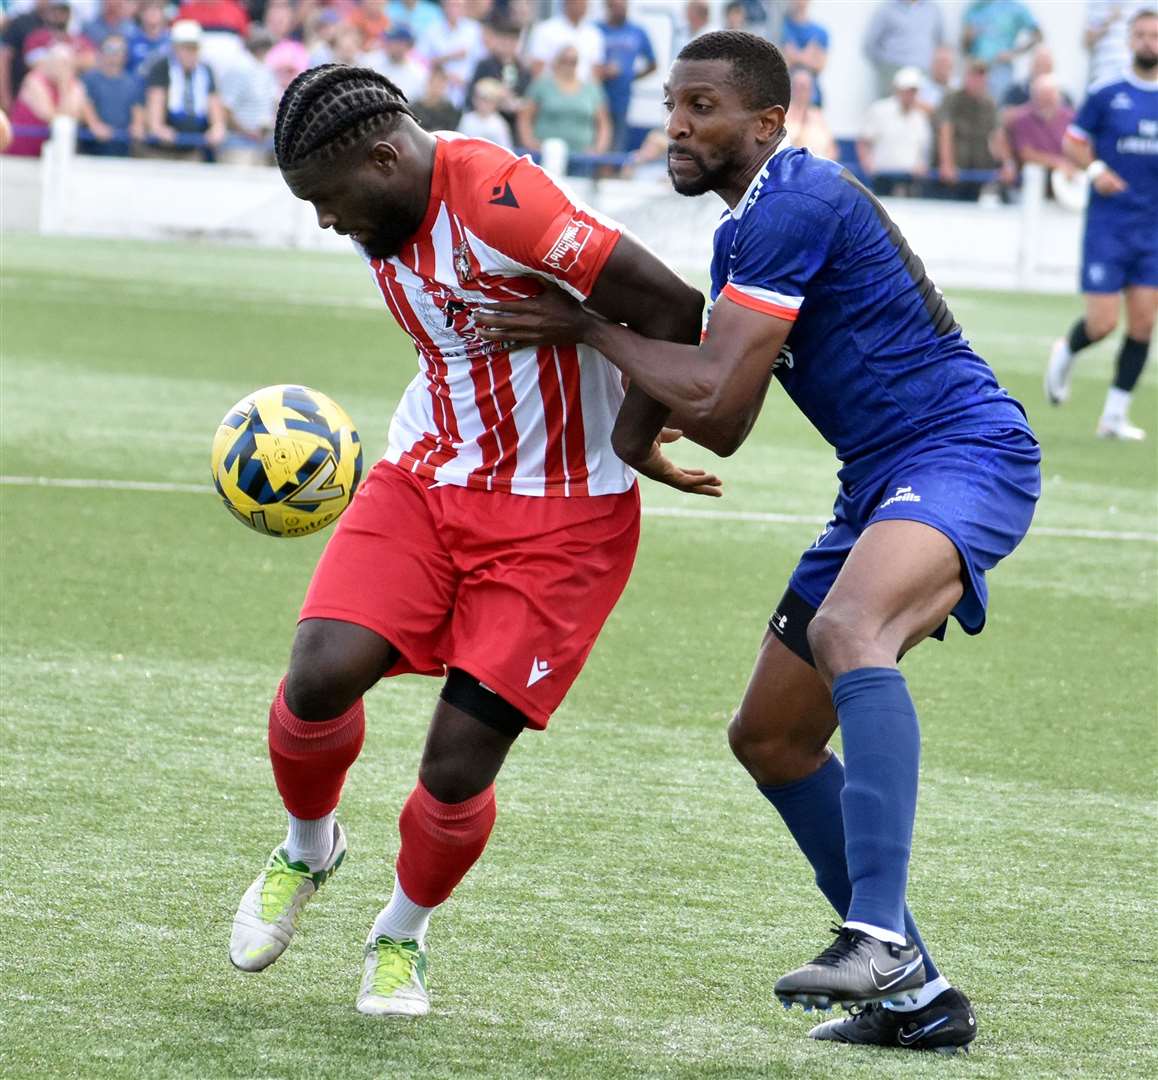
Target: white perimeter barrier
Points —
{"points": [[1033, 246]]}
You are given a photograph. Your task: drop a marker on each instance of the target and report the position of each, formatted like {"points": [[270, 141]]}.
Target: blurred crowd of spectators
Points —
{"points": [[202, 79]]}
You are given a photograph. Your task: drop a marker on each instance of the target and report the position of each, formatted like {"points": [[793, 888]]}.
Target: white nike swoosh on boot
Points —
{"points": [[904, 970]]}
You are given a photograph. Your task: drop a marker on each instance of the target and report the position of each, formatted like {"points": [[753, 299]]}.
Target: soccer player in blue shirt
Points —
{"points": [[813, 284], [1115, 138]]}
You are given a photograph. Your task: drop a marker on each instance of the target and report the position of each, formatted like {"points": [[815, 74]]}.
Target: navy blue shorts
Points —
{"points": [[977, 489], [1114, 258]]}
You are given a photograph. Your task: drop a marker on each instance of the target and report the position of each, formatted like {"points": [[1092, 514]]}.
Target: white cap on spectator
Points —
{"points": [[185, 32], [908, 78]]}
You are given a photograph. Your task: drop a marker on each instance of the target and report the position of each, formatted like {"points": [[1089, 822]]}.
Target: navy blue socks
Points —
{"points": [[882, 750], [811, 808]]}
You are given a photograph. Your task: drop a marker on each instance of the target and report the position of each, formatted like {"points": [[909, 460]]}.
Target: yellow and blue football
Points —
{"points": [[286, 460]]}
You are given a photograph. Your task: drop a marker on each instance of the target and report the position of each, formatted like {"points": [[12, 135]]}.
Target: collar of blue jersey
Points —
{"points": [[1141, 84], [758, 180]]}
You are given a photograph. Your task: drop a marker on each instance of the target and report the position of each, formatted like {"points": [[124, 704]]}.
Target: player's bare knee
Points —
{"points": [[755, 743], [323, 680], [332, 664], [829, 634], [321, 692], [453, 777], [740, 739], [769, 752]]}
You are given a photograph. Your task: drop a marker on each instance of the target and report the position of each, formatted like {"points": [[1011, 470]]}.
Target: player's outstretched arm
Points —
{"points": [[637, 289], [716, 389]]}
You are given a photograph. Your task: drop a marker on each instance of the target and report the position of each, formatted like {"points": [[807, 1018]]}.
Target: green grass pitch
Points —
{"points": [[638, 898]]}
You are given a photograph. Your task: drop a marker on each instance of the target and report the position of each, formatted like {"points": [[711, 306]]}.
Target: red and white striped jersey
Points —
{"points": [[529, 421]]}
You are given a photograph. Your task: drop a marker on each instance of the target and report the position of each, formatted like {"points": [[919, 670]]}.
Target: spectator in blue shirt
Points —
{"points": [[420, 17], [628, 56], [114, 18], [149, 38], [805, 44], [996, 31], [113, 112]]}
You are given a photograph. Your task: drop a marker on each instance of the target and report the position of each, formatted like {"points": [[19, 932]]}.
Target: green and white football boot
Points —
{"points": [[393, 979], [268, 913]]}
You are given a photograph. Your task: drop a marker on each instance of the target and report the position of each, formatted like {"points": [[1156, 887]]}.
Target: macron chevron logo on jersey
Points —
{"points": [[503, 196], [540, 669]]}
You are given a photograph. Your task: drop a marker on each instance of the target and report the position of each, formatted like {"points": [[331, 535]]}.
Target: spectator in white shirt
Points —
{"points": [[456, 46], [1106, 34], [896, 138], [572, 28], [249, 92], [485, 121], [400, 65]]}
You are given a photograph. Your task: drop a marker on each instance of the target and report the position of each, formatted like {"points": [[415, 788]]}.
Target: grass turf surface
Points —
{"points": [[638, 897]]}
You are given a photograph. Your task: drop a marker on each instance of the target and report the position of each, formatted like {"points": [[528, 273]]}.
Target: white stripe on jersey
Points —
{"points": [[758, 293], [594, 382]]}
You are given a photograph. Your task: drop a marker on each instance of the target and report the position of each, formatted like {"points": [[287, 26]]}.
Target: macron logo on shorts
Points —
{"points": [[540, 669]]}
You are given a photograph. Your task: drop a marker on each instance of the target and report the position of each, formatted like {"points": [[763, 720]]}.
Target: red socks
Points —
{"points": [[441, 842], [310, 759]]}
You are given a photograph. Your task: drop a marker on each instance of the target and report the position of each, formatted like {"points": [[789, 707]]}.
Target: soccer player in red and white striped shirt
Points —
{"points": [[491, 543]]}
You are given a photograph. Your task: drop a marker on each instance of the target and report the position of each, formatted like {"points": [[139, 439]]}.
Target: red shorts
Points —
{"points": [[512, 589]]}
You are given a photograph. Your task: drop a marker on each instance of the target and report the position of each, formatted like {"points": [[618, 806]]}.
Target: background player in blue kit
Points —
{"points": [[812, 283], [1115, 138]]}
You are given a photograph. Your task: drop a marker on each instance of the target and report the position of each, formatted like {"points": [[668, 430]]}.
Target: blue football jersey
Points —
{"points": [[874, 359], [1119, 119]]}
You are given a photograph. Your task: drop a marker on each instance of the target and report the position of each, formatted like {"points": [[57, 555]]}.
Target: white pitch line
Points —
{"points": [[802, 519], [107, 485], [758, 517]]}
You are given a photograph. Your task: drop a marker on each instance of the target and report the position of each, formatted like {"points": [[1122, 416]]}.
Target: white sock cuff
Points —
{"points": [[928, 993], [879, 932]]}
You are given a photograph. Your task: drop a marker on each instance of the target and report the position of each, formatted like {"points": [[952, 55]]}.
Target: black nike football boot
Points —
{"points": [[946, 1026], [856, 969]]}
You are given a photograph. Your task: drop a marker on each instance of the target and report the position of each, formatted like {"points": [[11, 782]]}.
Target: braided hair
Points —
{"points": [[331, 108]]}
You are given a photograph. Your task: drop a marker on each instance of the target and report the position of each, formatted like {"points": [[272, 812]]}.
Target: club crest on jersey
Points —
{"points": [[441, 307], [568, 246], [1121, 100], [464, 264]]}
